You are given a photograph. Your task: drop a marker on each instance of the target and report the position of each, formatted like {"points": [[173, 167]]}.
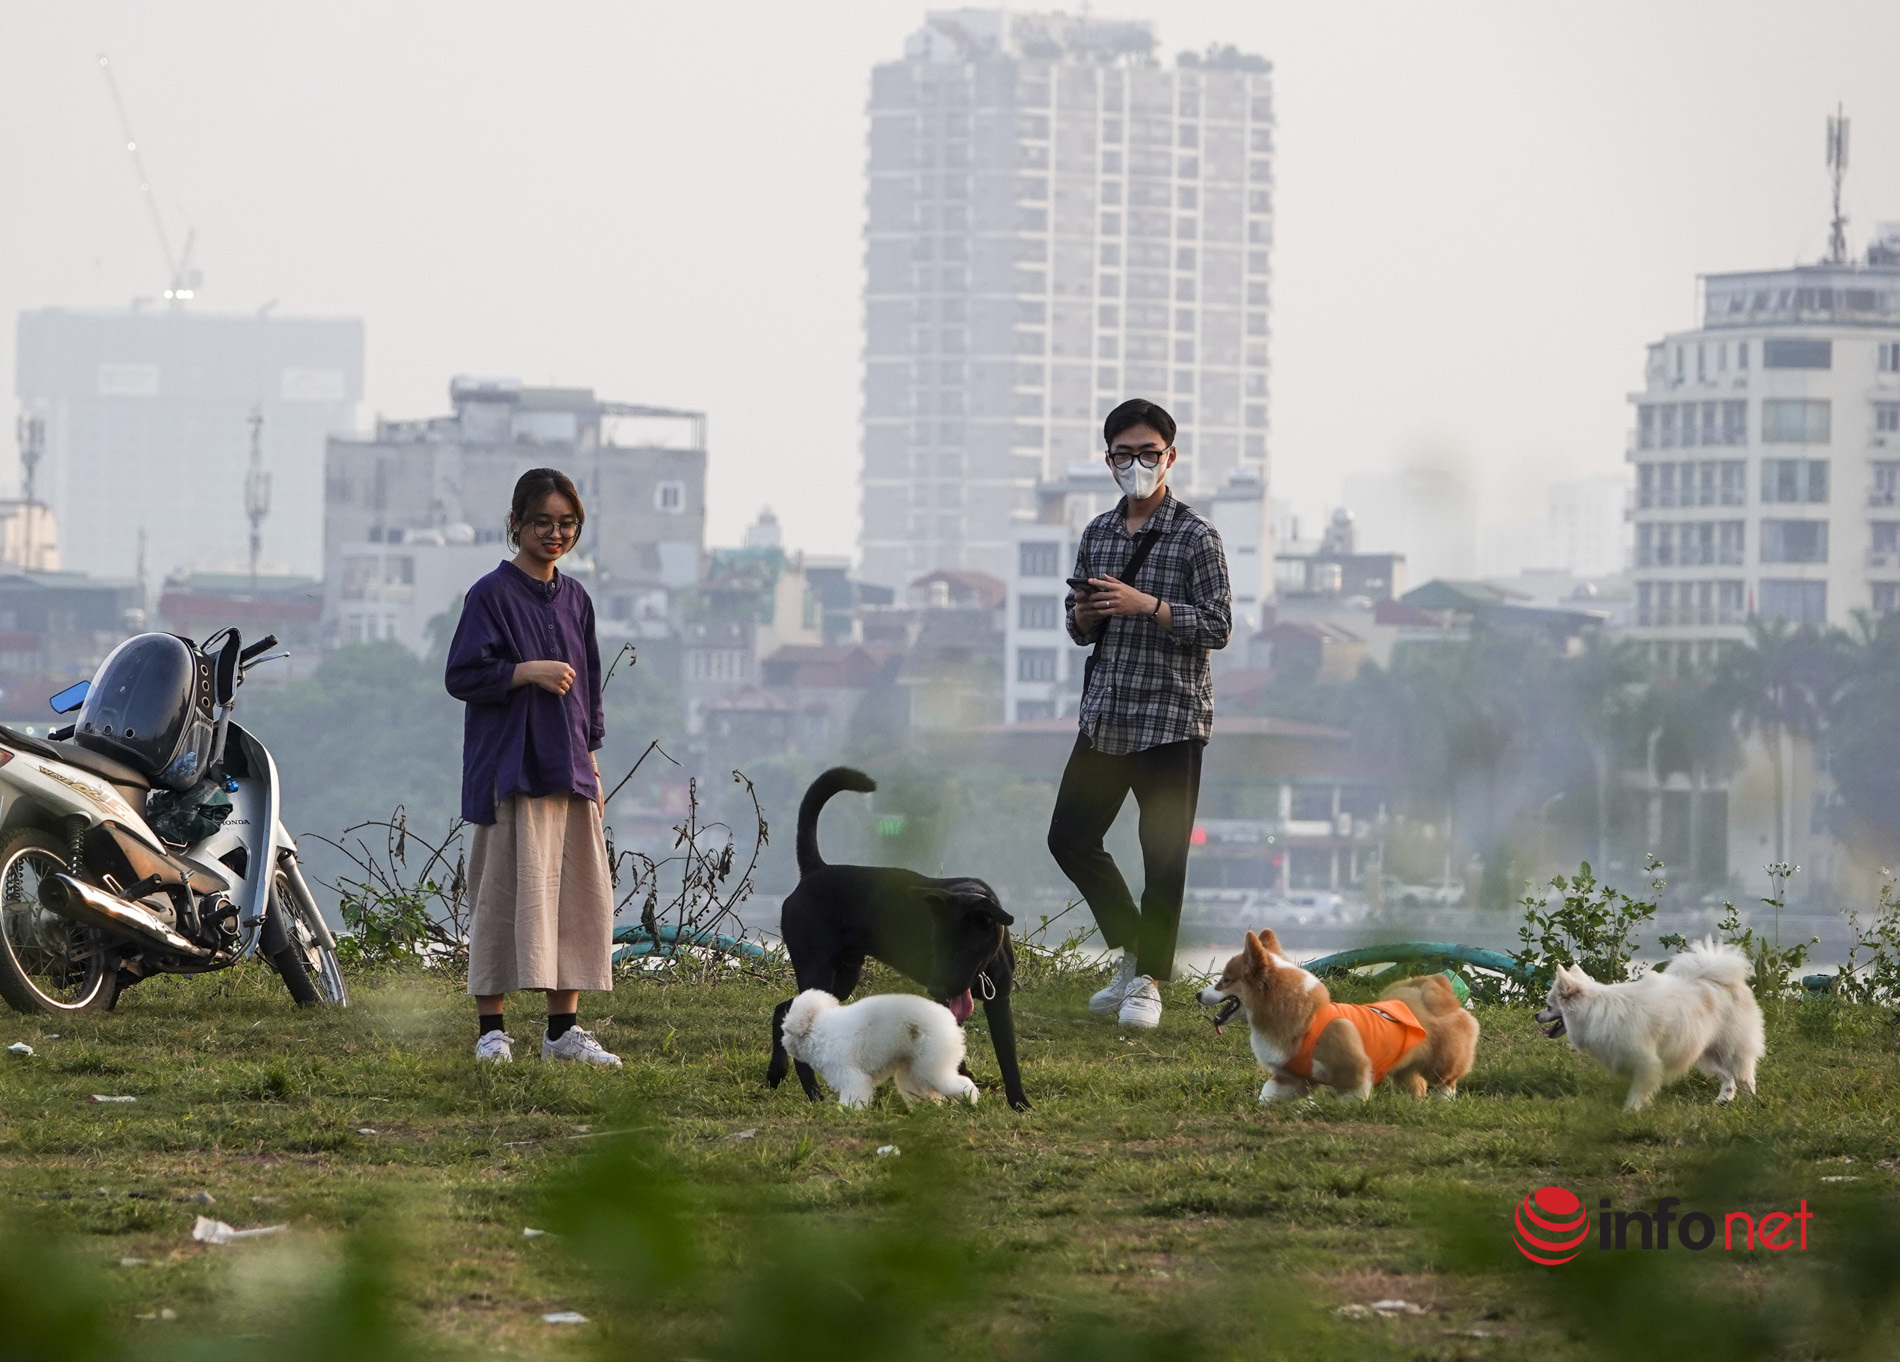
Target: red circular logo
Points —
{"points": [[1551, 1225]]}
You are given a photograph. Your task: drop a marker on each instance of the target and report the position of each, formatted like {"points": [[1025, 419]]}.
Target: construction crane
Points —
{"points": [[185, 279]]}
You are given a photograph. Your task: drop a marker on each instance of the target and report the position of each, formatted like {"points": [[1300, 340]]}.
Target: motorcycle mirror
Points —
{"points": [[228, 667], [71, 698]]}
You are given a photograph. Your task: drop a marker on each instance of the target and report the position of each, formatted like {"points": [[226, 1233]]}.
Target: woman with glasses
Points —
{"points": [[526, 663]]}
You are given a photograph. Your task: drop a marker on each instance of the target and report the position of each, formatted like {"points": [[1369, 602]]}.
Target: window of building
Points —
{"points": [[1666, 426], [1793, 541], [1741, 354], [1795, 421], [1735, 423], [1794, 480], [1646, 427], [1645, 486], [669, 497], [1887, 416], [1886, 541], [1035, 664], [1886, 484], [1728, 603], [1038, 558], [1889, 357], [1797, 354], [1645, 605], [1038, 612], [1729, 545], [1796, 602], [1886, 597], [1665, 484], [1734, 483], [1705, 482]]}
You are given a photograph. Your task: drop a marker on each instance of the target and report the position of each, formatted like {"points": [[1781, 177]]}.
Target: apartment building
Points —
{"points": [[1057, 220], [1767, 460]]}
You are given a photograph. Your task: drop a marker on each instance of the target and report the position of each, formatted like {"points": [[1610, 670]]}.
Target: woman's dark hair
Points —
{"points": [[530, 490], [1138, 411]]}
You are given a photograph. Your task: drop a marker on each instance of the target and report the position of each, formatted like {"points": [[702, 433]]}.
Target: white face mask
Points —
{"points": [[1137, 481]]}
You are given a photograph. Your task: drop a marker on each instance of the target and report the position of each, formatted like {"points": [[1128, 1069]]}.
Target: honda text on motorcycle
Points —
{"points": [[147, 837]]}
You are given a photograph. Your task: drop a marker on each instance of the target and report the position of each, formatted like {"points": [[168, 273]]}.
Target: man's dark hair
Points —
{"points": [[531, 489], [1138, 411]]}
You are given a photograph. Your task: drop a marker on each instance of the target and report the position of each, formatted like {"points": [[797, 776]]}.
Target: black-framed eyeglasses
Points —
{"points": [[547, 527], [1125, 458]]}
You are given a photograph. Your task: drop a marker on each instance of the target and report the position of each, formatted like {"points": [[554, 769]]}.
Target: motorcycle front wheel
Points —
{"points": [[47, 963], [307, 967]]}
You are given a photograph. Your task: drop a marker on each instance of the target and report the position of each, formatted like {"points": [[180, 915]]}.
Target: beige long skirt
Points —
{"points": [[541, 902]]}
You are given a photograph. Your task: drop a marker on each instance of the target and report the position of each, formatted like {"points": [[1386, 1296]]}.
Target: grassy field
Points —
{"points": [[1146, 1206]]}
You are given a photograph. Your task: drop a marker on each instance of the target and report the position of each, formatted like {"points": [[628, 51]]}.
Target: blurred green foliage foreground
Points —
{"points": [[1146, 1208]]}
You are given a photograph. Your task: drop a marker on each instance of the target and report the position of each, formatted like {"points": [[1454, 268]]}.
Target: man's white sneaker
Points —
{"points": [[578, 1044], [495, 1047], [1109, 1001], [1142, 1007]]}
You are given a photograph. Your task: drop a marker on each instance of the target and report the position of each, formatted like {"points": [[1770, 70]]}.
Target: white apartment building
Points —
{"points": [[1056, 221], [1767, 460]]}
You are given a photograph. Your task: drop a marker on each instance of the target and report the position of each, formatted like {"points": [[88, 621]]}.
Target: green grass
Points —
{"points": [[1146, 1190]]}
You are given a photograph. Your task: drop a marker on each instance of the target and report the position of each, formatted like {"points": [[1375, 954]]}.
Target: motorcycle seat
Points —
{"points": [[72, 754]]}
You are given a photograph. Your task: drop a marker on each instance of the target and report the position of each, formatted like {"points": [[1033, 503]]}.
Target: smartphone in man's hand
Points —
{"points": [[1080, 586]]}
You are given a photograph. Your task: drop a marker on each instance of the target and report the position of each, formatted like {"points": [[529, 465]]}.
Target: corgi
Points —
{"points": [[1417, 1035]]}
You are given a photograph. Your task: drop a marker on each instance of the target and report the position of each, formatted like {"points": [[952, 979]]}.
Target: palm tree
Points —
{"points": [[1606, 691], [1779, 685]]}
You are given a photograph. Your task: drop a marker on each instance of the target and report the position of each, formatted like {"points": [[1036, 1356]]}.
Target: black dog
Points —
{"points": [[951, 936]]}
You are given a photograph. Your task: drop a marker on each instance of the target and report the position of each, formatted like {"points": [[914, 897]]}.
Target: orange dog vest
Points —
{"points": [[1386, 1028]]}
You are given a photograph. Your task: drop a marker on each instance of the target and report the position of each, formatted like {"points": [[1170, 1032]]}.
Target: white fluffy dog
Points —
{"points": [[1697, 1013], [911, 1040]]}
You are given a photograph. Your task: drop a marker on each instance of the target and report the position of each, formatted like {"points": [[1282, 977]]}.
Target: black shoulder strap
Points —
{"points": [[1144, 542]]}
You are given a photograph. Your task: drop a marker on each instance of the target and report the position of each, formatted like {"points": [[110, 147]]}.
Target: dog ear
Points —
{"points": [[1270, 941], [1569, 982], [1257, 962]]}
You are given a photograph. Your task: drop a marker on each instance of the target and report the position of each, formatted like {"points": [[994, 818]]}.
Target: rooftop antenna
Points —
{"points": [[185, 279], [1837, 171], [31, 431], [256, 491]]}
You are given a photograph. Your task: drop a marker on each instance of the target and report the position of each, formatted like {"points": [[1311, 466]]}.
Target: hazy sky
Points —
{"points": [[1485, 210]]}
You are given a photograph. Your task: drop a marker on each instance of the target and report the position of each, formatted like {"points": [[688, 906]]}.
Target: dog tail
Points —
{"points": [[836, 779], [1715, 962]]}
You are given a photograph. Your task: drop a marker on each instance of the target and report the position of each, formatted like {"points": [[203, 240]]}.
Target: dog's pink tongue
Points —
{"points": [[962, 1006]]}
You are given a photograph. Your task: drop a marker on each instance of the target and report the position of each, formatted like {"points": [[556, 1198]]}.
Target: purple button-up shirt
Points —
{"points": [[525, 740]]}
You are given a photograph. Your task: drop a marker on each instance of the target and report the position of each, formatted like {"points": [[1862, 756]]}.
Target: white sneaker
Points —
{"points": [[578, 1044], [1109, 1001], [1142, 1008], [496, 1047]]}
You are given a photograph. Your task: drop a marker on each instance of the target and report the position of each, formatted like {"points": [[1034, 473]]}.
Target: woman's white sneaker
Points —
{"points": [[495, 1047], [580, 1045], [1141, 1009], [1108, 1002]]}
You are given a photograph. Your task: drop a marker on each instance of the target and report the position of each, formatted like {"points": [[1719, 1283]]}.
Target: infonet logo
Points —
{"points": [[1551, 1227]]}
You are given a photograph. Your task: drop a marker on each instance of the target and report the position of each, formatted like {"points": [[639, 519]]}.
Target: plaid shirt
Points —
{"points": [[1152, 686]]}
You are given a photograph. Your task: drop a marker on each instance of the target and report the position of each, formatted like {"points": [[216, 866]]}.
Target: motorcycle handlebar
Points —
{"points": [[263, 645]]}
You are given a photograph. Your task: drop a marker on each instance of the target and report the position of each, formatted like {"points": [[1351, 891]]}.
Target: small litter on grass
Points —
{"points": [[751, 1134], [264, 1200], [379, 1099], [204, 1198], [20, 1048], [885, 1151], [133, 1262], [365, 1130], [564, 1317], [102, 1097], [1891, 1165], [165, 1314], [1383, 1309], [54, 1036], [1842, 1177], [529, 1232], [209, 1231]]}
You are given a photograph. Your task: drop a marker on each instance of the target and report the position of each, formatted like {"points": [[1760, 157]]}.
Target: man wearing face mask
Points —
{"points": [[1150, 595]]}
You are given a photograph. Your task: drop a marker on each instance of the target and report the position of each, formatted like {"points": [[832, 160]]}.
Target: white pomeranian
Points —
{"points": [[911, 1040], [1697, 1013]]}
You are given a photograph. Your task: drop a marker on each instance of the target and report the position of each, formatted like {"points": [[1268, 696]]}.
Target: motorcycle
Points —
{"points": [[146, 837]]}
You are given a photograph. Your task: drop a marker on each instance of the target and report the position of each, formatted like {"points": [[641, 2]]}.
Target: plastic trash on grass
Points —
{"points": [[209, 1231]]}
